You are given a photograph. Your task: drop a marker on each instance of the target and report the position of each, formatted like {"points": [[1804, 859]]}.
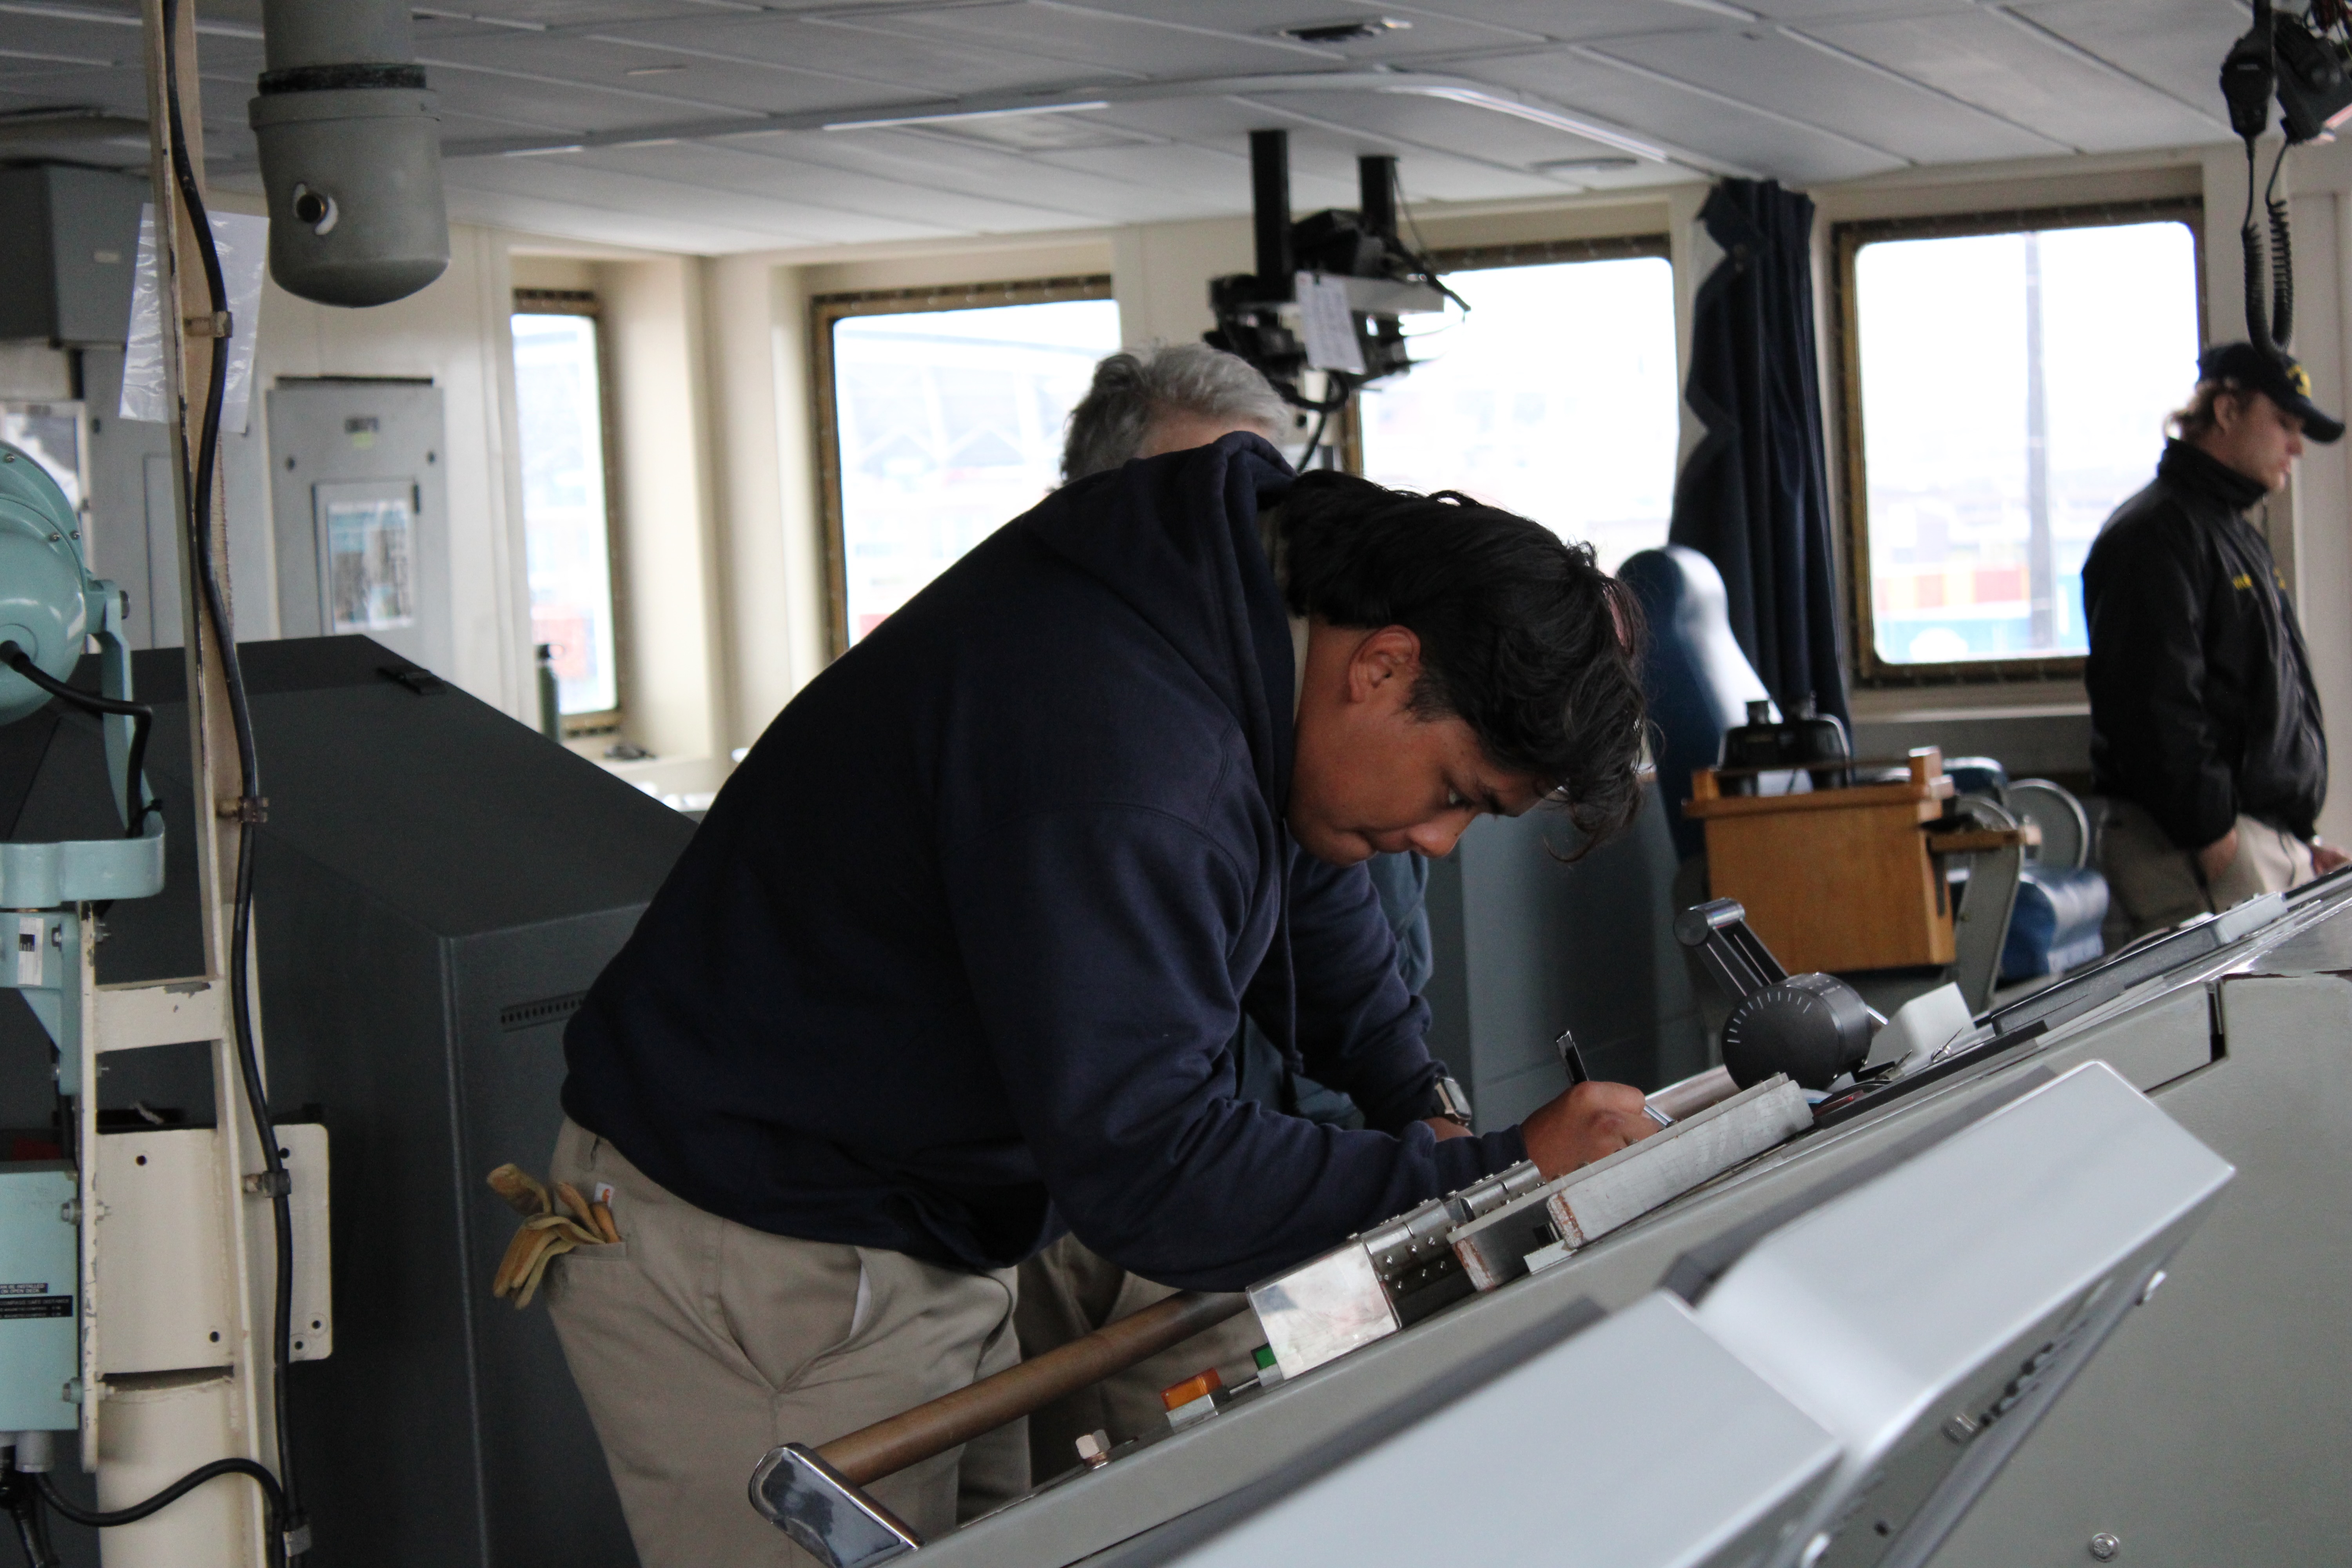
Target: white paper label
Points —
{"points": [[1327, 323], [31, 950]]}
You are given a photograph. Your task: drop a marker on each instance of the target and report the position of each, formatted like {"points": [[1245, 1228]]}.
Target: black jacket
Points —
{"points": [[957, 958], [2202, 701]]}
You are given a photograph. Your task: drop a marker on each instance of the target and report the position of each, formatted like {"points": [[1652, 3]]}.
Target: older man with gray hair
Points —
{"points": [[1170, 398]]}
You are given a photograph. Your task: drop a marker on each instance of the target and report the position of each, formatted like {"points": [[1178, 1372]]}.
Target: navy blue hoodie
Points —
{"points": [[956, 958]]}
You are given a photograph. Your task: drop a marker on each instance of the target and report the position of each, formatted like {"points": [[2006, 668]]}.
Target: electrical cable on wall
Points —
{"points": [[273, 1501], [1315, 441], [291, 1539], [286, 1533]]}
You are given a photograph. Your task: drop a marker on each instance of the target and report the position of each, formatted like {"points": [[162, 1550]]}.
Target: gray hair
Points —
{"points": [[1108, 426]]}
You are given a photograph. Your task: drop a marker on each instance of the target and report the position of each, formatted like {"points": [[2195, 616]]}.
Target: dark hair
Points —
{"points": [[1523, 636]]}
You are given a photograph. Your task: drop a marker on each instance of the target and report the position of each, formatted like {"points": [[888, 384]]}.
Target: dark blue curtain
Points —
{"points": [[1754, 497]]}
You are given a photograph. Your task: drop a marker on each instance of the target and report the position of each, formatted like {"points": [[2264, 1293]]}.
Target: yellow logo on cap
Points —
{"points": [[2300, 378]]}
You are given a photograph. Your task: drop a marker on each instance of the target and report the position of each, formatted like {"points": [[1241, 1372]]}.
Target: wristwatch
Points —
{"points": [[1445, 1100]]}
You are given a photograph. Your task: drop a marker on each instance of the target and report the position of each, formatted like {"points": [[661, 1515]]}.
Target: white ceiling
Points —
{"points": [[699, 125]]}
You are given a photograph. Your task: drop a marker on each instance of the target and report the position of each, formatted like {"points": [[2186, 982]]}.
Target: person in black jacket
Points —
{"points": [[2205, 726], [1164, 399], [955, 962]]}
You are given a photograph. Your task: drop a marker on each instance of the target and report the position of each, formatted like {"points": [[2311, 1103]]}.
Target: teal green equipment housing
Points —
{"points": [[53, 609], [41, 1294], [46, 592]]}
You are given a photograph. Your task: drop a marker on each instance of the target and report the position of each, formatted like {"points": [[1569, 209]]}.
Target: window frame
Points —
{"points": [[1846, 242], [825, 309], [1494, 257], [586, 302]]}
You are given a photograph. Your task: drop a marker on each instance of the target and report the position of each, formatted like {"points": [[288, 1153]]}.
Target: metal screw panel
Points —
{"points": [[2106, 1547]]}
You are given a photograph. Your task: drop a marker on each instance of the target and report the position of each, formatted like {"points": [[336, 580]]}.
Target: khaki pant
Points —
{"points": [[699, 1344], [2156, 883], [1068, 1291]]}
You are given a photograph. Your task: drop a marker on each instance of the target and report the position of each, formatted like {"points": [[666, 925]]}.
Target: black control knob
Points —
{"points": [[1810, 1027]]}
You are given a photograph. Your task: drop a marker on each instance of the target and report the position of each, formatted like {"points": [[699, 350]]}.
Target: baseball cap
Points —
{"points": [[2275, 375]]}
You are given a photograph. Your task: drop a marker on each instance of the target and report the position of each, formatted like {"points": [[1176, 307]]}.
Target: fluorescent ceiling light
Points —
{"points": [[949, 115], [1607, 136]]}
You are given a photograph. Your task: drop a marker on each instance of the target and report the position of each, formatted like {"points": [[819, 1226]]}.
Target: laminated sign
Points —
{"points": [[242, 242]]}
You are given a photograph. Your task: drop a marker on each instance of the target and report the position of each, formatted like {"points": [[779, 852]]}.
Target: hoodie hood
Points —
{"points": [[1192, 518]]}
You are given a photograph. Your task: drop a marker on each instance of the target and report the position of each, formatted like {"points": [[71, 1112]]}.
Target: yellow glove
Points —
{"points": [[546, 1234]]}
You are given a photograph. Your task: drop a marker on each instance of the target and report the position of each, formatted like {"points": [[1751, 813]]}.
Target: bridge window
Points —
{"points": [[2005, 388], [943, 412], [567, 523], [1555, 397]]}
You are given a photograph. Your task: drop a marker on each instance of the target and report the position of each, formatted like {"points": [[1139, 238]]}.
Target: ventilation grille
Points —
{"points": [[530, 1014]]}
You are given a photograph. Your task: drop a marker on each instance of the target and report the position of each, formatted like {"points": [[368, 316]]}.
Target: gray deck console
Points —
{"points": [[2207, 1430]]}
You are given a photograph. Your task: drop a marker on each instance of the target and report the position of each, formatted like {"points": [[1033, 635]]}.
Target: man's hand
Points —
{"points": [[2220, 855], [2326, 857], [1588, 1122], [1445, 1127]]}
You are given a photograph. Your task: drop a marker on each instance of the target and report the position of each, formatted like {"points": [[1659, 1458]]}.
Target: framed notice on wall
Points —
{"points": [[367, 544]]}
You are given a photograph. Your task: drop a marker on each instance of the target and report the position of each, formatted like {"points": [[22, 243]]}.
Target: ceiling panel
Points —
{"points": [[1086, 39], [1848, 10], [1504, 146], [508, 123], [1793, 154], [1771, 70], [1216, 131], [1571, 20], [1323, 149], [1198, 181], [68, 86], [913, 66], [664, 197], [1035, 134], [765, 166], [70, 44], [2025, 76], [1446, 30], [1329, 169], [493, 93], [536, 16], [902, 155], [600, 222], [706, 86], [2174, 45]]}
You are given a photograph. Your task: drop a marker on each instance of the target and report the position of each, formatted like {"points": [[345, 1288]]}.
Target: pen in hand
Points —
{"points": [[1572, 1059]]}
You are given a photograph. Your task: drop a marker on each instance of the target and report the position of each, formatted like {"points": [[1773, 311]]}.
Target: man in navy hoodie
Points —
{"points": [[1168, 398], [954, 962]]}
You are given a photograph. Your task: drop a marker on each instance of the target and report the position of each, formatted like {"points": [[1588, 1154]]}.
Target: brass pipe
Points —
{"points": [[913, 1436]]}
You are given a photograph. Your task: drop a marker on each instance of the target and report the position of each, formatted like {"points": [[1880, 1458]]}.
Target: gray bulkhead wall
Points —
{"points": [[1528, 943], [133, 525]]}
